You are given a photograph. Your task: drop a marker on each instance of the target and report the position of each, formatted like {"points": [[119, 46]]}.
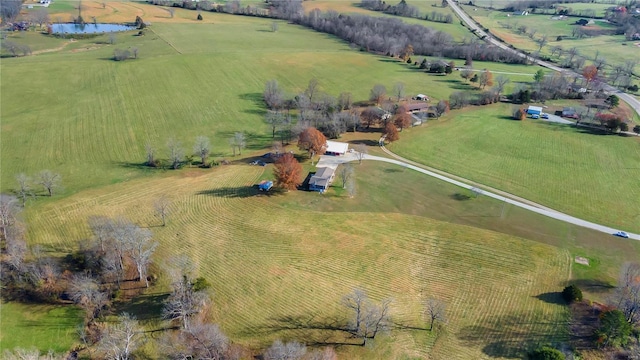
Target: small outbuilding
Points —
{"points": [[322, 179], [336, 148], [534, 110], [422, 97]]}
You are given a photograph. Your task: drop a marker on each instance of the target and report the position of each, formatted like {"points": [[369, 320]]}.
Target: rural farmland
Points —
{"points": [[129, 197]]}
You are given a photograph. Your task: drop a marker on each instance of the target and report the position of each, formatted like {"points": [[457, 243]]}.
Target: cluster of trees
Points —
{"points": [[332, 116], [177, 156], [47, 179], [483, 79], [377, 34], [9, 10], [406, 10], [16, 49]]}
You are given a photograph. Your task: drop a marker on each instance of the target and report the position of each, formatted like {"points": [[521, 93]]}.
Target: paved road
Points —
{"points": [[334, 161], [632, 101]]}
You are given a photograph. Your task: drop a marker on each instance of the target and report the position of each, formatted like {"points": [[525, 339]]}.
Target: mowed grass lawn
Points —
{"points": [[589, 176], [43, 326], [87, 117], [276, 259]]}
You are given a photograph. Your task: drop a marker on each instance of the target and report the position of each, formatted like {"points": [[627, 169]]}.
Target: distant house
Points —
{"points": [[534, 110], [422, 97], [336, 148], [577, 88], [569, 112], [520, 13], [322, 179]]}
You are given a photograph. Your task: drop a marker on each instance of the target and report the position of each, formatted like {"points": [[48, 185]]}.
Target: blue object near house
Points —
{"points": [[534, 110], [265, 185]]}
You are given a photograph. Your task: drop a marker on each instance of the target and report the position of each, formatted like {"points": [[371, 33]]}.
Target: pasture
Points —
{"points": [[43, 326], [269, 271], [558, 166], [91, 124], [618, 50]]}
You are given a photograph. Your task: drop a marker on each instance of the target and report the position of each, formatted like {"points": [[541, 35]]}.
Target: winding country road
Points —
{"points": [[632, 101], [334, 161]]}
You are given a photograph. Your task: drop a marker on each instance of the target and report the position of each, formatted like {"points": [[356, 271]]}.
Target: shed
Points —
{"points": [[336, 148], [534, 110], [322, 179], [422, 97]]}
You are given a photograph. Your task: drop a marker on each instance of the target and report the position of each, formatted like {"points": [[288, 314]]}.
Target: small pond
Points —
{"points": [[88, 28]]}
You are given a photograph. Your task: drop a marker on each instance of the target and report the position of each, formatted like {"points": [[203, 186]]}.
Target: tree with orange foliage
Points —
{"points": [[590, 72], [391, 132], [312, 141], [402, 119], [288, 172]]}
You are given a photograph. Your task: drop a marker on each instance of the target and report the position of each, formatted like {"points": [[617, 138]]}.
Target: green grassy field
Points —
{"points": [[91, 124], [266, 268], [455, 29], [555, 165], [618, 50], [42, 326]]}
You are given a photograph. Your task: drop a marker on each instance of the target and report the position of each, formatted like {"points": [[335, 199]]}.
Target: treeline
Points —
{"points": [[376, 34], [405, 10]]}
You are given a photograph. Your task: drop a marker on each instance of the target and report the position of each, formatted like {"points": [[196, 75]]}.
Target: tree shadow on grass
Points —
{"points": [[256, 98], [308, 330], [144, 307], [593, 285], [460, 197], [233, 192], [456, 84], [554, 297], [511, 336]]}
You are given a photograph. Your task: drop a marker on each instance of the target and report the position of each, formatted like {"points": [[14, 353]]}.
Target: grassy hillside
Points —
{"points": [[90, 121], [42, 326], [589, 176], [273, 259]]}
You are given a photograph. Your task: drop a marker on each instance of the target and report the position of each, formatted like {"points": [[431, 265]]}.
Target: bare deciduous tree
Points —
{"points": [[85, 291], [313, 88], [285, 351], [361, 152], [345, 101], [627, 295], [171, 11], [378, 93], [8, 211], [176, 153], [398, 90], [274, 119], [184, 301], [39, 16], [150, 152], [435, 310], [274, 26], [238, 141], [141, 247], [351, 187], [346, 173], [200, 341], [368, 318], [500, 83], [50, 181], [162, 208], [273, 96], [202, 148], [120, 339], [24, 191]]}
